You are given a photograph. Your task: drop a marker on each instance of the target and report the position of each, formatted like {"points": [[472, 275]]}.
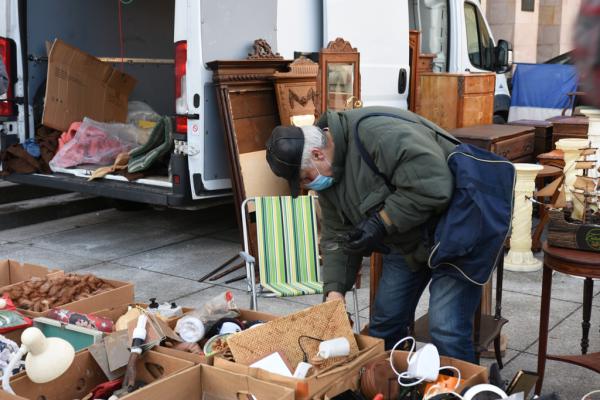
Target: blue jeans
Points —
{"points": [[452, 305]]}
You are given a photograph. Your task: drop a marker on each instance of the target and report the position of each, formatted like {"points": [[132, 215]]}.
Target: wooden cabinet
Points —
{"points": [[514, 142], [569, 127], [456, 100], [425, 62], [543, 134]]}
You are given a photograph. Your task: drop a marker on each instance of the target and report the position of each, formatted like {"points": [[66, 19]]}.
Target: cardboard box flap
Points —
{"points": [[203, 382], [12, 272], [85, 374], [220, 384], [80, 85]]}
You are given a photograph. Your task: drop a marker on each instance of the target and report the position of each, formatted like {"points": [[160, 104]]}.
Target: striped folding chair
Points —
{"points": [[288, 249]]}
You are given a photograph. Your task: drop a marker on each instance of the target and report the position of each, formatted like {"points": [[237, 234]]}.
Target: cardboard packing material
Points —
{"points": [[12, 272], [85, 374], [472, 374], [331, 382], [204, 382], [79, 85]]}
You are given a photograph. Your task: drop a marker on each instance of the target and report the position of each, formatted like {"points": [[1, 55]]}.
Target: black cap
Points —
{"points": [[284, 155]]}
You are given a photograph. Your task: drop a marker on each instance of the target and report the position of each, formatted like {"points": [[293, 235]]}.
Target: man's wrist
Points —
{"points": [[387, 221]]}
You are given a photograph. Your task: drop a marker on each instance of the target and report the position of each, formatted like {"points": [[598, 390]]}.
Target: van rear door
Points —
{"points": [[379, 30], [215, 30]]}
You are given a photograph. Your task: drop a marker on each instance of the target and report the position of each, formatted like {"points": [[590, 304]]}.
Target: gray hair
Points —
{"points": [[313, 137]]}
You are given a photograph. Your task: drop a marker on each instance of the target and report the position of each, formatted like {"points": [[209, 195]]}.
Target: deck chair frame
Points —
{"points": [[251, 264]]}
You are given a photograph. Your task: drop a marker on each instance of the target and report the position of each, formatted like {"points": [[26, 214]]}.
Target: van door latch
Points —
{"points": [[182, 147]]}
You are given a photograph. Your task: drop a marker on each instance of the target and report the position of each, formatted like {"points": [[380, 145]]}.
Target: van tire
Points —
{"points": [[500, 119], [126, 205]]}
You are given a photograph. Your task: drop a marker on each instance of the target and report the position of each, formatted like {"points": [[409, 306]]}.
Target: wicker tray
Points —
{"points": [[324, 321]]}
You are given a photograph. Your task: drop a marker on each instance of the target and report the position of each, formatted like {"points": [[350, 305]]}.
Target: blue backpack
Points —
{"points": [[468, 238]]}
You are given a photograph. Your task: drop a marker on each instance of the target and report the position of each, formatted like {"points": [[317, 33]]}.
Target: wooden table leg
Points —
{"points": [[543, 334], [536, 238], [588, 290]]}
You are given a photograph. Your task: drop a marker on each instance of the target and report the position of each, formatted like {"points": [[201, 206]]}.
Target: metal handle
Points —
{"points": [[402, 81]]}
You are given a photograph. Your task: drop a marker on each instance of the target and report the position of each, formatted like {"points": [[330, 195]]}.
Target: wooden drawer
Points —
{"points": [[425, 63], [479, 83], [514, 148]]}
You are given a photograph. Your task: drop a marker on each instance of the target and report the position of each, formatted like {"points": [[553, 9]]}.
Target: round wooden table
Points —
{"points": [[585, 264]]}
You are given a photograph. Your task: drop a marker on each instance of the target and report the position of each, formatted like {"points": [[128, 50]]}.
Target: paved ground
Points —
{"points": [[164, 252]]}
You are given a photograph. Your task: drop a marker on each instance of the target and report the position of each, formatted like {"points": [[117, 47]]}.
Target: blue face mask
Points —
{"points": [[321, 182]]}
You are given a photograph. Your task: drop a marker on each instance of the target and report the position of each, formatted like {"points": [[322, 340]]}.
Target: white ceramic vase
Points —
{"points": [[520, 258]]}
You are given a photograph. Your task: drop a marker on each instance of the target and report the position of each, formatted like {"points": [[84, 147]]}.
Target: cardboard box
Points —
{"points": [[123, 292], [472, 374], [204, 382], [12, 272], [79, 85], [115, 312], [85, 374], [329, 383]]}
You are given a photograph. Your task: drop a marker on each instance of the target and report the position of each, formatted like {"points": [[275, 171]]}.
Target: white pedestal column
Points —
{"points": [[594, 136], [572, 149], [520, 258]]}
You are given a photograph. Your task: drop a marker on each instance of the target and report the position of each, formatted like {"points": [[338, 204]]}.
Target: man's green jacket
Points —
{"points": [[412, 156]]}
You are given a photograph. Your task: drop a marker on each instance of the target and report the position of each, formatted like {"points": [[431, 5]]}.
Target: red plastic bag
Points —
{"points": [[95, 143]]}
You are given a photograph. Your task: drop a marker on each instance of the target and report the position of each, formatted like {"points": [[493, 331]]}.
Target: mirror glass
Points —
{"points": [[340, 85]]}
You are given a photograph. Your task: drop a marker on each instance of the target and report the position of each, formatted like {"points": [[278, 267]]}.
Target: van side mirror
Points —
{"points": [[502, 56]]}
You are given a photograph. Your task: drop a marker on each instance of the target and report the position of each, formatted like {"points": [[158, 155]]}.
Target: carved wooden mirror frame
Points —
{"points": [[339, 63], [297, 90]]}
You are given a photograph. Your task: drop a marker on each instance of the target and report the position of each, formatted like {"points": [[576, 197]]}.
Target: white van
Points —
{"points": [[457, 32], [166, 45]]}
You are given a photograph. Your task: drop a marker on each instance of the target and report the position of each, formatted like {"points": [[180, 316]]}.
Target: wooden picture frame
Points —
{"points": [[338, 81], [297, 90]]}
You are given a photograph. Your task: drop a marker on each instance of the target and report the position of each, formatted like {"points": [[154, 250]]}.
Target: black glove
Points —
{"points": [[367, 238]]}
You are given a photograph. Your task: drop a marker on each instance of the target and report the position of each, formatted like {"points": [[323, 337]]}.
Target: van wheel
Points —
{"points": [[126, 205], [500, 119]]}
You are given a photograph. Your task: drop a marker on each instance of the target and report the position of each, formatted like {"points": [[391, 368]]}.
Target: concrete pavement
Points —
{"points": [[164, 252]]}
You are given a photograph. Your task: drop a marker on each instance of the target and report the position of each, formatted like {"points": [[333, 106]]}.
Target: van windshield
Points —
{"points": [[479, 42]]}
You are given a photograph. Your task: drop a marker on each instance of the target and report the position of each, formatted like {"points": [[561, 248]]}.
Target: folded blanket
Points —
{"points": [[159, 143]]}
